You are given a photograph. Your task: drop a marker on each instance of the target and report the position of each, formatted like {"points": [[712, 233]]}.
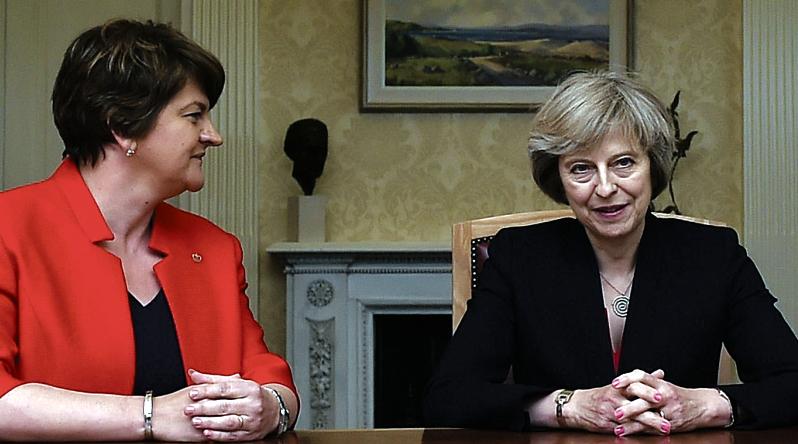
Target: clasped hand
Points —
{"points": [[217, 408], [639, 402]]}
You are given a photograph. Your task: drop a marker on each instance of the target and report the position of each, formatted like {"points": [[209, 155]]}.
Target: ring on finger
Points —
{"points": [[241, 422]]}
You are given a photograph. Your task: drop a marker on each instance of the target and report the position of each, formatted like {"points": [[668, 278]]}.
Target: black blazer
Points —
{"points": [[539, 308]]}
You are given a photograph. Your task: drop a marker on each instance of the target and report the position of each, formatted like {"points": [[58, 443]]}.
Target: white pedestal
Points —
{"points": [[306, 218]]}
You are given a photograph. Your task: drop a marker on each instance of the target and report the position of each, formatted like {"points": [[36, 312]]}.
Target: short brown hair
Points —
{"points": [[117, 77], [583, 110]]}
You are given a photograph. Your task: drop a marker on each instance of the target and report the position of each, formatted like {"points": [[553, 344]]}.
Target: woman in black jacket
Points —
{"points": [[613, 322]]}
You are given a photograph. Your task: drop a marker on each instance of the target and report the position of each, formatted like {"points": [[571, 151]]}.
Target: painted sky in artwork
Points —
{"points": [[486, 13]]}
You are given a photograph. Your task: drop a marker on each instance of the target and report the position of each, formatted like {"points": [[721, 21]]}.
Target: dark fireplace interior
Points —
{"points": [[406, 351]]}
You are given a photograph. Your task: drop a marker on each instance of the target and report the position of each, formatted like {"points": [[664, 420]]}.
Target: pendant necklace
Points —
{"points": [[620, 304]]}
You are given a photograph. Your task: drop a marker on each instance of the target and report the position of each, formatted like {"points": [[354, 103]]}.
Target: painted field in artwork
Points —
{"points": [[520, 43]]}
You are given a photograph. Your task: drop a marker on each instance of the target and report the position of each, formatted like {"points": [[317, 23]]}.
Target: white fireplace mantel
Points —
{"points": [[333, 291]]}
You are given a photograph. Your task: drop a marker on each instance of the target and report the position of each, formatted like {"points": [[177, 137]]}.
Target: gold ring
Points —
{"points": [[241, 422]]}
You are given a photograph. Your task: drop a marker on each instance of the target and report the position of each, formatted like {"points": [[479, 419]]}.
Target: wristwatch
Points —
{"points": [[560, 400], [148, 415], [285, 415]]}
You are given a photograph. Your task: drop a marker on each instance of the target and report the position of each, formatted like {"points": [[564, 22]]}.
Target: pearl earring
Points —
{"points": [[131, 150]]}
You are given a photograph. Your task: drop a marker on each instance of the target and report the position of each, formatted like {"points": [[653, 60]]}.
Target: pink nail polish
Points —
{"points": [[618, 414], [657, 397], [619, 431], [193, 394], [616, 382], [665, 427]]}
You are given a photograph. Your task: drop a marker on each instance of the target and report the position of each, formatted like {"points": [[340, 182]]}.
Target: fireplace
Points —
{"points": [[406, 350], [342, 298]]}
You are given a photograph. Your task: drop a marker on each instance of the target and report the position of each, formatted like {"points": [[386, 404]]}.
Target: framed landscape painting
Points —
{"points": [[484, 55]]}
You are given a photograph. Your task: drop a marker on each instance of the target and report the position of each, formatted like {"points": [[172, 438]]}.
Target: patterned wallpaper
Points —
{"points": [[410, 176], [696, 47]]}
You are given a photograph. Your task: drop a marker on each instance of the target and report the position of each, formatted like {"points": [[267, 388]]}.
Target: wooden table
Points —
{"points": [[467, 436], [457, 436]]}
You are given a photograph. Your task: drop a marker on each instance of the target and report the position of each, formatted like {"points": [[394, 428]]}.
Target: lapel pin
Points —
{"points": [[196, 257]]}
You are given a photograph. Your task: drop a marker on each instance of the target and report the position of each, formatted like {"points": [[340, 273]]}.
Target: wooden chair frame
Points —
{"points": [[462, 235]]}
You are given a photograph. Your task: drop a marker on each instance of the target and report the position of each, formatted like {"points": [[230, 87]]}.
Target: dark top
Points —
{"points": [[159, 365], [538, 308]]}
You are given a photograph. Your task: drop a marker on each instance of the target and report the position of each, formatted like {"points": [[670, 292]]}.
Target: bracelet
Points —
{"points": [[731, 407], [285, 415], [148, 415], [560, 400]]}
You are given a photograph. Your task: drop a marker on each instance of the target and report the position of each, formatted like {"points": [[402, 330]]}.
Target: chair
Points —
{"points": [[470, 241]]}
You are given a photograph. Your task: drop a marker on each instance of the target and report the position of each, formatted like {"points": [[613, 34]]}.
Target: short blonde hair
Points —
{"points": [[583, 110]]}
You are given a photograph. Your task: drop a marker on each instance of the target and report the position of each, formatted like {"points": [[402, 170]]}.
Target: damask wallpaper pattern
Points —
{"points": [[410, 176]]}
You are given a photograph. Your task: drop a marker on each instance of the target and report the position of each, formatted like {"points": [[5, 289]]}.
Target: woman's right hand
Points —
{"points": [[593, 409], [169, 422]]}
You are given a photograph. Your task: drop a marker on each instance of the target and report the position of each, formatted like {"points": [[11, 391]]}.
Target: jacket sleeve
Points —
{"points": [[468, 388], [259, 364], [763, 346], [8, 321]]}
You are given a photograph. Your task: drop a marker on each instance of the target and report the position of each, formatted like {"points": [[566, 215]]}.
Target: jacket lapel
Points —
{"points": [[97, 292], [586, 304], [184, 276], [646, 302], [80, 201]]}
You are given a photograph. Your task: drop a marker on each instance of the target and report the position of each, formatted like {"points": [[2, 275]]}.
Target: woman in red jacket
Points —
{"points": [[122, 317]]}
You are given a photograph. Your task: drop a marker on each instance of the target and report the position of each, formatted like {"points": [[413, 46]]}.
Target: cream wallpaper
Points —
{"points": [[410, 176], [696, 46]]}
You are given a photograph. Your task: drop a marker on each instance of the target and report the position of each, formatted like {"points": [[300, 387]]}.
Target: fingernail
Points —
{"points": [[193, 394], [618, 414], [619, 431], [657, 397], [665, 427], [616, 382], [189, 410], [196, 421], [191, 371]]}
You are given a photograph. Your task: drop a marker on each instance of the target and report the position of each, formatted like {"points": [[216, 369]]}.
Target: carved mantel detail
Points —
{"points": [[321, 352], [320, 293]]}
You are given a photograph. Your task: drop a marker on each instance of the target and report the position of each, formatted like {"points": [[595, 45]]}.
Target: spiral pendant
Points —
{"points": [[620, 306]]}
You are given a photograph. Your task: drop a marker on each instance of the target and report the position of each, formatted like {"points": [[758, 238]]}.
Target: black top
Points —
{"points": [[538, 308], [159, 364]]}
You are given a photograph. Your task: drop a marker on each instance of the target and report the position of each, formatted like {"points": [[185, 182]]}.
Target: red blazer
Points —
{"points": [[64, 313]]}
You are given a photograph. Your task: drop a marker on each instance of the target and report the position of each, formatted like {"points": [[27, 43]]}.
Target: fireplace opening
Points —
{"points": [[406, 351]]}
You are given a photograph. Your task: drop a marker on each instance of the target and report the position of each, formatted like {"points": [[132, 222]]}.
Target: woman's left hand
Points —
{"points": [[685, 409], [230, 408]]}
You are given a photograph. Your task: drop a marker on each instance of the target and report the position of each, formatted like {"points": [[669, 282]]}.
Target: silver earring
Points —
{"points": [[131, 150]]}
